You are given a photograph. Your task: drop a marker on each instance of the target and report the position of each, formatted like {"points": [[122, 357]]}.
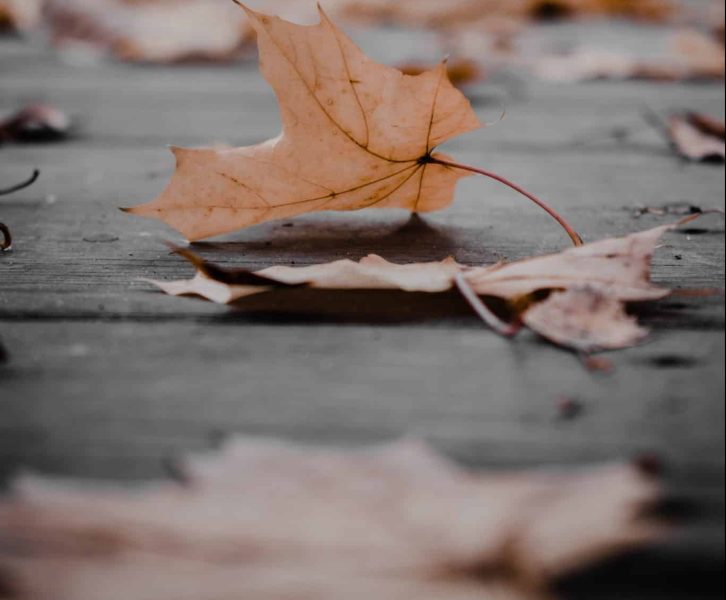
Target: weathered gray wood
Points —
{"points": [[93, 391], [109, 378]]}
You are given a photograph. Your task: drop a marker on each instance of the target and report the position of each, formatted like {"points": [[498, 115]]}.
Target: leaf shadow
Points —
{"points": [[316, 306], [316, 238]]}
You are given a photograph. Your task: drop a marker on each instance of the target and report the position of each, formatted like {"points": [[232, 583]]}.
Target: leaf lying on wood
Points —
{"points": [[6, 242], [692, 56], [269, 520], [35, 123], [154, 31], [585, 319], [20, 15], [356, 134], [697, 137], [462, 13], [595, 280]]}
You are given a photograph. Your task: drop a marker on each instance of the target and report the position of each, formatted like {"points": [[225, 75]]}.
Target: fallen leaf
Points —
{"points": [[701, 55], [269, 520], [642, 10], [574, 298], [620, 266], [585, 319], [35, 123], [697, 137], [153, 31], [462, 13], [376, 128], [20, 15], [585, 64], [694, 56], [6, 243]]}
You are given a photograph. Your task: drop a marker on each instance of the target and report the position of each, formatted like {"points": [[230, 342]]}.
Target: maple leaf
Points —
{"points": [[264, 519], [356, 134]]}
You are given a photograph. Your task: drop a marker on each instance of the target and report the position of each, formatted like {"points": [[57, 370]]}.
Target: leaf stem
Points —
{"points": [[23, 185], [7, 239], [483, 311], [574, 236]]}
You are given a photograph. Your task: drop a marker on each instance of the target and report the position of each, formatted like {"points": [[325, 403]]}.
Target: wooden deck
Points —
{"points": [[107, 378]]}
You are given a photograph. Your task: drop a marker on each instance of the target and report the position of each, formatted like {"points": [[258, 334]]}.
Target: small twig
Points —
{"points": [[23, 185], [484, 312], [7, 240]]}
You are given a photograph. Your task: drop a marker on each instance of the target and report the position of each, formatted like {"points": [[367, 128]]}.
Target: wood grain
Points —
{"points": [[108, 378]]}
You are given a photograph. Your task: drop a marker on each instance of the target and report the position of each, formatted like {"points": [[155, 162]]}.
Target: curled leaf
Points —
{"points": [[20, 15], [585, 319], [697, 137], [7, 239], [35, 123], [619, 265]]}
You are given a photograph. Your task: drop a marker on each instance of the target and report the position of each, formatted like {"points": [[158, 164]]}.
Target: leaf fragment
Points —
{"points": [[585, 319], [697, 137]]}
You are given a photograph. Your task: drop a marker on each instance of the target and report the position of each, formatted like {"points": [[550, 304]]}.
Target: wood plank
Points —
{"points": [[108, 379], [88, 393]]}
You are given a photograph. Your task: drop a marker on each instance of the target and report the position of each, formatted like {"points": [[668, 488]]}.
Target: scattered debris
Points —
{"points": [[569, 409], [100, 238], [152, 31], [7, 239], [20, 15], [698, 137], [678, 209], [35, 123]]}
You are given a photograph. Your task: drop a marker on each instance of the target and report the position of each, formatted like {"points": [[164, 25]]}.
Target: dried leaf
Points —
{"points": [[462, 13], [268, 520], [35, 123], [6, 241], [620, 266], [585, 319], [356, 134], [20, 15], [155, 31], [703, 56], [694, 57], [697, 137]]}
